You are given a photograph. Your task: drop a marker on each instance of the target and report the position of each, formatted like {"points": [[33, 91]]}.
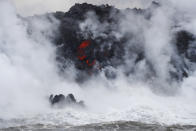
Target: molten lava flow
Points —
{"points": [[81, 57], [81, 53], [84, 44], [90, 64]]}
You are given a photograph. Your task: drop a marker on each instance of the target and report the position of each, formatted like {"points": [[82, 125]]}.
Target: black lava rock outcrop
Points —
{"points": [[61, 100]]}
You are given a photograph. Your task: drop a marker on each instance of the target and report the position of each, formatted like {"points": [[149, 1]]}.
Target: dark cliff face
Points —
{"points": [[105, 49], [91, 52], [95, 51], [185, 42]]}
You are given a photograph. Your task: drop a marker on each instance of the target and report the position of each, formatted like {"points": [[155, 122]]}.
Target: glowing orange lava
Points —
{"points": [[84, 44], [81, 53]]}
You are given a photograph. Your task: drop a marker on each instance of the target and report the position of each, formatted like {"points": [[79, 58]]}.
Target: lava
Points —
{"points": [[81, 53]]}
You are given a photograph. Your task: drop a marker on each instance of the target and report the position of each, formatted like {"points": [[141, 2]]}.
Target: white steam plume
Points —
{"points": [[27, 66]]}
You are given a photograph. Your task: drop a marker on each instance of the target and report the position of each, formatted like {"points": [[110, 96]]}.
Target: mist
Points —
{"points": [[29, 70]]}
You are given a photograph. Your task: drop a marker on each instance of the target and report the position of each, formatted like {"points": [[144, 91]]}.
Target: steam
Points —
{"points": [[27, 66], [29, 71], [144, 35], [155, 37]]}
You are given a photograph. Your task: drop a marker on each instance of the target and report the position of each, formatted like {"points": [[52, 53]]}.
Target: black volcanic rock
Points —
{"points": [[71, 36], [186, 45], [56, 99], [91, 52], [183, 40], [61, 101]]}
